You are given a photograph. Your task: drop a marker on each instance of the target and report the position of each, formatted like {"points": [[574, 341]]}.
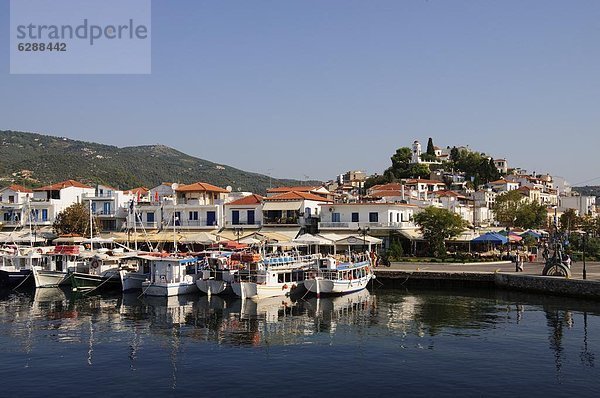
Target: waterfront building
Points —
{"points": [[292, 210], [245, 213], [13, 202], [109, 206]]}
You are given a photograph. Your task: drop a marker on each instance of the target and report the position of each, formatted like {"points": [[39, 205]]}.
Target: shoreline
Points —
{"points": [[498, 275]]}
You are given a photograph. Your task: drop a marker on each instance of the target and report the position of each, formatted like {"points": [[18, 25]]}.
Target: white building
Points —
{"points": [[109, 205], [583, 205], [13, 202], [245, 212], [47, 202]]}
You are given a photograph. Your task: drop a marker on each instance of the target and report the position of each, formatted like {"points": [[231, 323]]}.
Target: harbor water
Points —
{"points": [[392, 342]]}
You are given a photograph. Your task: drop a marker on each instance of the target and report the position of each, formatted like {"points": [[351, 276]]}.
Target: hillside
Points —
{"points": [[34, 160], [591, 190]]}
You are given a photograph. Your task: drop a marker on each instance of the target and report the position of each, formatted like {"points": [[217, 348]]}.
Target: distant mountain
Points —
{"points": [[588, 190], [35, 160]]}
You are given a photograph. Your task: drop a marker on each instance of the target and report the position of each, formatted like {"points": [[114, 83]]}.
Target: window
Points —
{"points": [[193, 216], [150, 217], [307, 212], [373, 217], [355, 217], [11, 199], [398, 217], [44, 214], [251, 219], [8, 216], [177, 218], [335, 217], [106, 208], [235, 217]]}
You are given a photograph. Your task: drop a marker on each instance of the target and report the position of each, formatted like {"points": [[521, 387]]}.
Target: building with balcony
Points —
{"points": [[293, 209], [48, 201], [109, 206], [199, 206], [245, 212], [13, 205]]}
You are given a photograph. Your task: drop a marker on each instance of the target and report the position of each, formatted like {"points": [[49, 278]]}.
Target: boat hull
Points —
{"points": [[12, 279], [213, 286], [253, 290], [132, 280], [81, 281], [169, 289], [321, 286], [45, 278]]}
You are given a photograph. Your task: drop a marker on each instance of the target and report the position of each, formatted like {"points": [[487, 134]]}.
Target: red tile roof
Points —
{"points": [[253, 199], [200, 187], [304, 188], [19, 188], [391, 192], [135, 191], [61, 185], [297, 196]]}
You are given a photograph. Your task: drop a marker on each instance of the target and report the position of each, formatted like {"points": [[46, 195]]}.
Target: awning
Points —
{"points": [[313, 240], [289, 232], [204, 238], [229, 234], [282, 206], [411, 234]]}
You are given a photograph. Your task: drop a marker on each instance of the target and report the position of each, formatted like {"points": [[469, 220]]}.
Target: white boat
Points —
{"points": [[273, 276], [135, 272], [101, 270], [172, 276], [16, 267], [339, 277], [55, 266], [218, 273]]}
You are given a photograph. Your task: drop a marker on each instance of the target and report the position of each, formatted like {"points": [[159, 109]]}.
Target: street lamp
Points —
{"points": [[238, 231], [364, 232]]}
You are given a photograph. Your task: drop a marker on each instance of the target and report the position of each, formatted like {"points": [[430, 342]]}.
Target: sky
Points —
{"points": [[309, 89]]}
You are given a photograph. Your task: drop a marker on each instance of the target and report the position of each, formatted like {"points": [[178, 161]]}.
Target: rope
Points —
{"points": [[145, 290], [23, 281], [97, 287]]}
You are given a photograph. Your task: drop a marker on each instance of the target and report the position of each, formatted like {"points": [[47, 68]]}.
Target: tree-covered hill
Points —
{"points": [[35, 159]]}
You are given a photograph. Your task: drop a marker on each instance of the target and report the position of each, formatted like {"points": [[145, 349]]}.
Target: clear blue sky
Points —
{"points": [[317, 87]]}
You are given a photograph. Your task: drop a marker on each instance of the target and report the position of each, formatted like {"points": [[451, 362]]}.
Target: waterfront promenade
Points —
{"points": [[499, 274], [532, 269]]}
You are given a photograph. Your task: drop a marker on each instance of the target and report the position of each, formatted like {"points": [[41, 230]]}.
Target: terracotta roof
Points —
{"points": [[369, 204], [61, 185], [498, 182], [391, 192], [393, 186], [200, 187], [247, 200], [297, 196], [424, 181], [450, 193], [304, 188], [19, 188], [135, 191]]}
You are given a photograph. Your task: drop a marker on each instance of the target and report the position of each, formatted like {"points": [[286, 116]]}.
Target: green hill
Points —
{"points": [[35, 160]]}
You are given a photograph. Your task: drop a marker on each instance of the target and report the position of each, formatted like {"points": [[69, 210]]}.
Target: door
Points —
{"points": [[211, 218], [251, 220], [235, 217]]}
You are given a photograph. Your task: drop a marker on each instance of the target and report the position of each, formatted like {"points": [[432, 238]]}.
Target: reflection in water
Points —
{"points": [[150, 329]]}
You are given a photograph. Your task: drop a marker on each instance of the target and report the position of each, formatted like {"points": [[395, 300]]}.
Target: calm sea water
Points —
{"points": [[401, 343]]}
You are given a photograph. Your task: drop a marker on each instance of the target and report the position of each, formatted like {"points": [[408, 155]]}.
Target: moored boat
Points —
{"points": [[272, 276], [53, 270], [100, 271], [172, 276], [333, 277]]}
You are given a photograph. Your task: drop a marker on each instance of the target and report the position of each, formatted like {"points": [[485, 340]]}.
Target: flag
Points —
{"points": [[156, 196]]}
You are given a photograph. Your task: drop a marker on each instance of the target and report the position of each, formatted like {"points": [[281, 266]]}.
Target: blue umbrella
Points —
{"points": [[491, 237]]}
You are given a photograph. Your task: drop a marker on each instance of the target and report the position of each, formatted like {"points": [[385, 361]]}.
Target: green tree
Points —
{"points": [[437, 225], [512, 210], [430, 147], [569, 220], [75, 220], [418, 170]]}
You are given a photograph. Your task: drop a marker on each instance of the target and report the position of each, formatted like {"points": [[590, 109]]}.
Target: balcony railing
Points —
{"points": [[372, 225], [231, 224], [281, 221], [104, 195]]}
